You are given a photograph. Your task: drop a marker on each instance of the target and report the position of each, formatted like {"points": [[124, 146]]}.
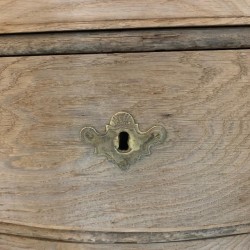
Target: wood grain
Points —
{"points": [[198, 179], [53, 15], [146, 236], [125, 41], [240, 242]]}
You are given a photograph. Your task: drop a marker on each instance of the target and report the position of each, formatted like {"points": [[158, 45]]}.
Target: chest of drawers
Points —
{"points": [[124, 125]]}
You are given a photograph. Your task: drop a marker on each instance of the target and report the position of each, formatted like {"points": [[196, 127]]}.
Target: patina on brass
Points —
{"points": [[123, 153]]}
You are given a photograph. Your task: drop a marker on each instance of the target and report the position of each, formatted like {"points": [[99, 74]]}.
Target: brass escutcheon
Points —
{"points": [[123, 143]]}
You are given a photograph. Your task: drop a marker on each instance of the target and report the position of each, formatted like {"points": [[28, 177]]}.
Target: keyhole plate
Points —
{"points": [[123, 143]]}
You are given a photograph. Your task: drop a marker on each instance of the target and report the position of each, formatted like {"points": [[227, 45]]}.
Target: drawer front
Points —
{"points": [[53, 15], [194, 185]]}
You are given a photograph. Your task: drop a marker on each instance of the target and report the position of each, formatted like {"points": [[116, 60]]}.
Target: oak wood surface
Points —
{"points": [[115, 236], [54, 15], [125, 41], [199, 178], [240, 242]]}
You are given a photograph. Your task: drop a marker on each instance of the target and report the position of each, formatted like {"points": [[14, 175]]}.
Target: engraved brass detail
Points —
{"points": [[123, 143]]}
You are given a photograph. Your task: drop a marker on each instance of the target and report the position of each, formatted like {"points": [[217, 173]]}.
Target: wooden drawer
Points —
{"points": [[56, 15], [195, 185]]}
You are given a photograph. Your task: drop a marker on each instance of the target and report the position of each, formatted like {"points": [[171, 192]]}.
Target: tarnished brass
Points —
{"points": [[123, 143]]}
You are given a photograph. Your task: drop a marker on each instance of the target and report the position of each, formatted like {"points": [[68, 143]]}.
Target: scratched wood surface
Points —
{"points": [[199, 178], [240, 242], [113, 41], [51, 15]]}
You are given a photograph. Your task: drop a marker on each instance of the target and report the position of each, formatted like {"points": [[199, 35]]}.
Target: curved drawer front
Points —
{"points": [[54, 15], [196, 184]]}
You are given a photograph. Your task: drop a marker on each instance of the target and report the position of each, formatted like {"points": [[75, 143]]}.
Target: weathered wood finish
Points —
{"points": [[54, 15], [199, 178], [141, 236], [125, 41], [240, 242]]}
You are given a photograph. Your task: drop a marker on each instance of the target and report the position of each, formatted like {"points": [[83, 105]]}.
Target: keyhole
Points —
{"points": [[123, 141]]}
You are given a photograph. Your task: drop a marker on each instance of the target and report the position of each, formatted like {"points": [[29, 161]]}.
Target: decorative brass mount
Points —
{"points": [[123, 143]]}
